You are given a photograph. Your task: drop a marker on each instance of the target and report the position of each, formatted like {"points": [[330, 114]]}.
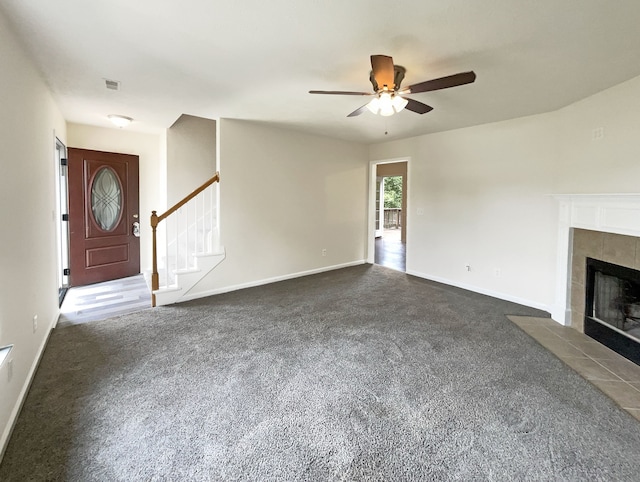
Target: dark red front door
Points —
{"points": [[103, 216]]}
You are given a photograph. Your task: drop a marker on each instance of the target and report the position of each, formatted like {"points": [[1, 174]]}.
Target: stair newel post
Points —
{"points": [[155, 280]]}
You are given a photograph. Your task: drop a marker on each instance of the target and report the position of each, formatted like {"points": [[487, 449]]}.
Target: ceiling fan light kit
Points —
{"points": [[386, 78], [387, 103]]}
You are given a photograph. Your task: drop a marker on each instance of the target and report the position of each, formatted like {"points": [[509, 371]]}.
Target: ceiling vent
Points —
{"points": [[112, 84]]}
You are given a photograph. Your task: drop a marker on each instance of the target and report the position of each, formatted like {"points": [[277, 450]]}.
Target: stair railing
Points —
{"points": [[195, 228]]}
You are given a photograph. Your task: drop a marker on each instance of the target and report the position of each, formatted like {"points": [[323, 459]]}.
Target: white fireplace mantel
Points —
{"points": [[609, 213]]}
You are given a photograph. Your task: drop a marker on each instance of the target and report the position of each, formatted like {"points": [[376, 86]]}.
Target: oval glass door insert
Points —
{"points": [[106, 198]]}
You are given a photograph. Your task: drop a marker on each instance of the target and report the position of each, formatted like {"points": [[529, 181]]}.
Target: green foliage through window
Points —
{"points": [[393, 192]]}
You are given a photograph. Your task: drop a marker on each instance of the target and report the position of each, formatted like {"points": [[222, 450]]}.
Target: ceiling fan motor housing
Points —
{"points": [[398, 77]]}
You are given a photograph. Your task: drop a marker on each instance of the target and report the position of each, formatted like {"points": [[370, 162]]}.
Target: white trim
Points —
{"points": [[617, 213], [371, 214], [61, 259], [217, 189], [13, 418], [275, 279], [482, 291]]}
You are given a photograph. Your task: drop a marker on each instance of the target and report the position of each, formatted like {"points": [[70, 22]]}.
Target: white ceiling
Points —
{"points": [[251, 59]]}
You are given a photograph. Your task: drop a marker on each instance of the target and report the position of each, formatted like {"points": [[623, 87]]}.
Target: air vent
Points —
{"points": [[112, 84]]}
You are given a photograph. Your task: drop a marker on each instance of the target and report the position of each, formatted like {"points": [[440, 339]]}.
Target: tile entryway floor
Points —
{"points": [[613, 374], [104, 300]]}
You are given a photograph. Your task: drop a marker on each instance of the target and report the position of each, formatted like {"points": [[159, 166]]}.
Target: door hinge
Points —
{"points": [[66, 271], [63, 161], [65, 217]]}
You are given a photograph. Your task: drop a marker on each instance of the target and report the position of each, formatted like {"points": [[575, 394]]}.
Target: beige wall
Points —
{"points": [[285, 196], [150, 149], [29, 123], [191, 155]]}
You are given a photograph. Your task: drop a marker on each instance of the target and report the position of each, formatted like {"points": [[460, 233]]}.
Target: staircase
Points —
{"points": [[189, 246]]}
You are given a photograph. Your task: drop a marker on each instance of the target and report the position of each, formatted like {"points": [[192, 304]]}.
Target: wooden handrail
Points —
{"points": [[179, 204], [155, 219]]}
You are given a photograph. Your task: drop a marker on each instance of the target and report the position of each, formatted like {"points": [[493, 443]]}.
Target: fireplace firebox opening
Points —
{"points": [[612, 309]]}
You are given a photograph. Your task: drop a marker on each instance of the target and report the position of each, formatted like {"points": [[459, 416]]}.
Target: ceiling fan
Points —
{"points": [[389, 98]]}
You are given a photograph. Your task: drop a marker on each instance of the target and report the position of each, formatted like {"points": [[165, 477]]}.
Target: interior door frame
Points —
{"points": [[379, 207], [371, 218], [62, 207]]}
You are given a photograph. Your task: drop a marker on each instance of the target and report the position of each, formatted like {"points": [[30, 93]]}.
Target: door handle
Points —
{"points": [[136, 229]]}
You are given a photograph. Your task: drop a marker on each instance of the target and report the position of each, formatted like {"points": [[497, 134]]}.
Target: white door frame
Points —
{"points": [[371, 222], [379, 207], [62, 203]]}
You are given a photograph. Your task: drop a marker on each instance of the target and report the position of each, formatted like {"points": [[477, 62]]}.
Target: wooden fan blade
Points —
{"points": [[442, 83], [358, 111], [418, 107], [338, 92], [382, 66]]}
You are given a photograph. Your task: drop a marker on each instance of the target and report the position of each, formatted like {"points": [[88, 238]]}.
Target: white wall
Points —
{"points": [[284, 197], [151, 150], [191, 155], [610, 164], [485, 195], [29, 122], [487, 191]]}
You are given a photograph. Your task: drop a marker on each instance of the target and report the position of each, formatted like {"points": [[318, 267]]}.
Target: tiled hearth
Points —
{"points": [[605, 227], [613, 374]]}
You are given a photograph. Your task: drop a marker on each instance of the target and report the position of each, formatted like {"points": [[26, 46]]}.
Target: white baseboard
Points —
{"points": [[275, 279], [560, 314], [13, 418], [482, 291]]}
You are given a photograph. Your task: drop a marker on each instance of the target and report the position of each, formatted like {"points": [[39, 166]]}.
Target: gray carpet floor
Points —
{"points": [[363, 373]]}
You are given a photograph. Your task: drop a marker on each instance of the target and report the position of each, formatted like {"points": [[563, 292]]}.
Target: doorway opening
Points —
{"points": [[388, 214]]}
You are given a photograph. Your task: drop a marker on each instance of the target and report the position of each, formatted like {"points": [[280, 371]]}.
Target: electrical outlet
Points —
{"points": [[497, 272], [35, 323], [9, 369], [324, 251], [468, 267]]}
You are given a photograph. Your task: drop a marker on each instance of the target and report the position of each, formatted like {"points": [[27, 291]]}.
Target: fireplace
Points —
{"points": [[612, 307]]}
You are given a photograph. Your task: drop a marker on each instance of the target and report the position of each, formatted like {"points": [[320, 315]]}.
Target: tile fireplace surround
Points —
{"points": [[599, 226], [612, 248]]}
